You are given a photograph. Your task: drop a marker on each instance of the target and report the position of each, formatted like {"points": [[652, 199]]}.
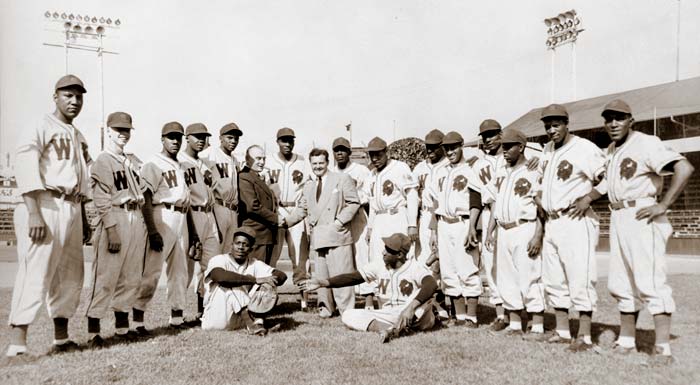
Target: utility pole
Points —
{"points": [[563, 29]]}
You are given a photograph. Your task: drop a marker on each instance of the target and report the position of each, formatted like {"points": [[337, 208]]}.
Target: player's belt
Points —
{"points": [[391, 211], [631, 203], [287, 204], [201, 209], [557, 214], [70, 198], [172, 207], [451, 220], [129, 206], [230, 206], [510, 225]]}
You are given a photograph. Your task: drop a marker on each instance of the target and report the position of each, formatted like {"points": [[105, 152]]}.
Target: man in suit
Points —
{"points": [[330, 201], [258, 204]]}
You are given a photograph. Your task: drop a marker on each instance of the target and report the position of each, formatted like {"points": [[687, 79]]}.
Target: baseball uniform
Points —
{"points": [[637, 272], [165, 178], [224, 169], [424, 173], [568, 249], [51, 158]]}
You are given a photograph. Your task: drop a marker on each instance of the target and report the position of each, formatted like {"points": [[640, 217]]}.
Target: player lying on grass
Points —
{"points": [[232, 280], [405, 289]]}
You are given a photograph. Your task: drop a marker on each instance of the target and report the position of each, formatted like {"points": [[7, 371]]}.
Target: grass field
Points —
{"points": [[308, 350]]}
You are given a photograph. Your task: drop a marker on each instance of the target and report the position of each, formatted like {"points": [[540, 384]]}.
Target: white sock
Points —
{"points": [[136, 324], [471, 318], [303, 304], [92, 335], [122, 331], [175, 320], [515, 325], [461, 317], [587, 339], [259, 321], [16, 350], [626, 341], [665, 348], [537, 328], [501, 317], [564, 334], [61, 341]]}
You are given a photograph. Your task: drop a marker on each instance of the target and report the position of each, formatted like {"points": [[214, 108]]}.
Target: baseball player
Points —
{"points": [[514, 217], [393, 201], [359, 173], [224, 168], [50, 225], [639, 227], [457, 191], [229, 281], [405, 290], [166, 203], [198, 178], [288, 172], [571, 168], [120, 237]]}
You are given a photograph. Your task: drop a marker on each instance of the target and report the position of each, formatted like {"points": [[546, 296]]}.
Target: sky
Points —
{"points": [[393, 68]]}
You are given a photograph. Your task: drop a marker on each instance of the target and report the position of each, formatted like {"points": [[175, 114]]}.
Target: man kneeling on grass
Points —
{"points": [[230, 280], [405, 290]]}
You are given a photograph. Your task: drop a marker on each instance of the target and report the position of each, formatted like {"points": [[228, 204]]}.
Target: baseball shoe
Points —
{"points": [[471, 324], [657, 359], [96, 342], [622, 351], [181, 326], [142, 332], [194, 322], [323, 312], [257, 330], [514, 332], [498, 325], [126, 338], [19, 359], [555, 338], [67, 347], [388, 335], [579, 345], [458, 322]]}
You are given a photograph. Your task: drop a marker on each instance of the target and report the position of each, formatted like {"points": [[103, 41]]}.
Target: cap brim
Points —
{"points": [[252, 238], [375, 149], [493, 129], [433, 142], [234, 131], [121, 125], [77, 86], [614, 110]]}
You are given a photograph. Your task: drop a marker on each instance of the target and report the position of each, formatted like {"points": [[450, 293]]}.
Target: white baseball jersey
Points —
{"points": [[514, 189], [195, 171], [396, 287], [287, 178], [452, 183], [496, 163], [570, 172], [224, 169], [424, 173], [52, 156], [635, 169], [359, 174], [115, 181], [166, 180], [251, 266], [388, 189]]}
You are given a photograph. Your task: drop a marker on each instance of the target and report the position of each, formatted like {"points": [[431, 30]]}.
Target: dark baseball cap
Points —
{"points": [[247, 232], [231, 128], [512, 135], [341, 142], [452, 137], [172, 127], [554, 110], [119, 120], [617, 105], [398, 242], [285, 131], [376, 144], [489, 125], [69, 81], [434, 137], [197, 128]]}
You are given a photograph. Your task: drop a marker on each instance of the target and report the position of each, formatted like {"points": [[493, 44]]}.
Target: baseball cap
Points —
{"points": [[231, 128], [554, 110], [617, 105], [171, 127], [398, 242], [376, 144], [70, 81], [434, 137], [341, 142], [285, 131], [452, 137], [119, 120], [247, 232], [512, 135], [197, 128], [489, 125]]}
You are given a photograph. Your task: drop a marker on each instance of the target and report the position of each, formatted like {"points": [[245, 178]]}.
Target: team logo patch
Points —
{"points": [[628, 168], [406, 287], [564, 170], [459, 183], [297, 176], [388, 187], [522, 187]]}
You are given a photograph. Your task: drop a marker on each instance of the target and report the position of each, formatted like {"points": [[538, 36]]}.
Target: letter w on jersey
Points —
{"points": [[190, 176], [170, 178], [62, 148], [223, 170], [120, 182]]}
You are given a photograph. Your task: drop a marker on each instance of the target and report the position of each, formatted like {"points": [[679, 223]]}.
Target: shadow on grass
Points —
{"points": [[281, 324]]}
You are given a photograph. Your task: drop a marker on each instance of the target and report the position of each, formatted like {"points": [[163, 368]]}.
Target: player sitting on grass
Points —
{"points": [[230, 282], [405, 289]]}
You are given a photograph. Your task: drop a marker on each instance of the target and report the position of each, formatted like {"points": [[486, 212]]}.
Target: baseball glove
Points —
{"points": [[263, 298]]}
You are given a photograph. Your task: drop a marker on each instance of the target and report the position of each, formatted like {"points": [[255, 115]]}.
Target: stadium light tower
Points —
{"points": [[561, 30], [85, 33]]}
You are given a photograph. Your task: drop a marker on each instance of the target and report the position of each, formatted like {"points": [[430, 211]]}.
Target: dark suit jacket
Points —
{"points": [[257, 206]]}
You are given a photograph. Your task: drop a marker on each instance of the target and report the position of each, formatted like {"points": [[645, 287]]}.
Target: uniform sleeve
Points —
{"points": [[595, 163], [151, 176], [102, 182], [30, 147], [370, 272], [488, 193], [261, 269], [216, 261], [659, 155], [420, 272], [406, 179]]}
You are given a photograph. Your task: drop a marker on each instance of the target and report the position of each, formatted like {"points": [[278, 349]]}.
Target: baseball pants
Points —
{"points": [[117, 276], [227, 221], [638, 262], [359, 319], [172, 226], [332, 261], [488, 265], [222, 306], [569, 265], [205, 225], [50, 271], [362, 254], [459, 273], [423, 246], [519, 275], [384, 226], [297, 247]]}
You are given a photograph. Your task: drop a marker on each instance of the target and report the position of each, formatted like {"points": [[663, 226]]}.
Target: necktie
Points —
{"points": [[319, 187]]}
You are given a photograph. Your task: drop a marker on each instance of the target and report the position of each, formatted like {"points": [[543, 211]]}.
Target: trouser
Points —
{"points": [[488, 265], [297, 242], [361, 252], [172, 227], [459, 273], [569, 264], [227, 221], [52, 270], [331, 261], [638, 262], [205, 225], [262, 252], [423, 250], [223, 306], [519, 275], [117, 276], [359, 319], [384, 226]]}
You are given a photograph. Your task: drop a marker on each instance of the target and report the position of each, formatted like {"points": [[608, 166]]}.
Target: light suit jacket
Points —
{"points": [[338, 201]]}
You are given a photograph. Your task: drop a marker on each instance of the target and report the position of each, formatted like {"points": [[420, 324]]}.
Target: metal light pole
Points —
{"points": [[678, 40], [561, 30], [85, 33]]}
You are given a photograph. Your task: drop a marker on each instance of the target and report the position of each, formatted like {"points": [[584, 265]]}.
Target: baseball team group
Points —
{"points": [[405, 242]]}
